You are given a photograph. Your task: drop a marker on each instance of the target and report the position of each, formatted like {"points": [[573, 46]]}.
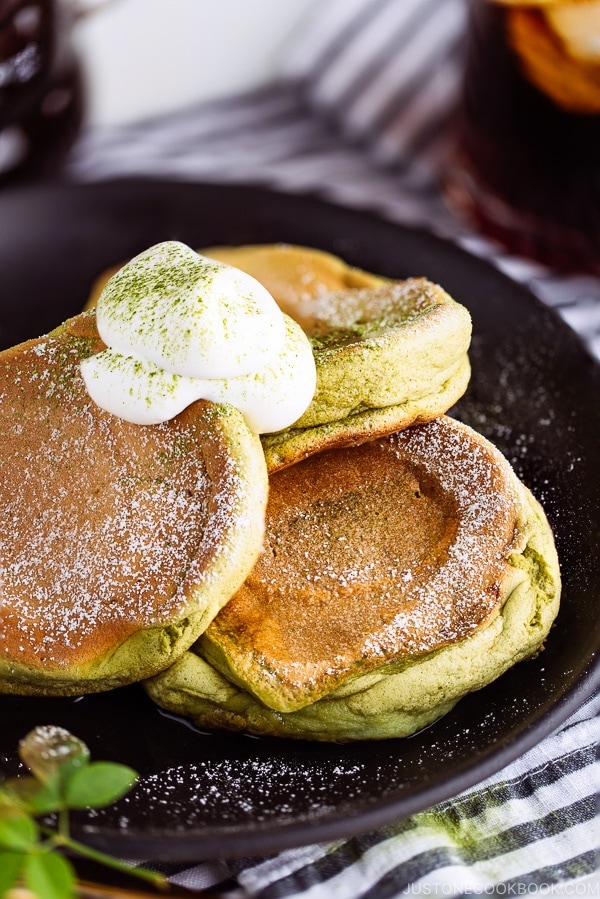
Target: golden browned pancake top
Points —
{"points": [[295, 275], [383, 551], [106, 526]]}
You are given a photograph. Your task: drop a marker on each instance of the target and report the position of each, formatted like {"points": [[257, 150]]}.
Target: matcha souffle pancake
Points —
{"points": [[388, 354], [396, 576], [133, 503]]}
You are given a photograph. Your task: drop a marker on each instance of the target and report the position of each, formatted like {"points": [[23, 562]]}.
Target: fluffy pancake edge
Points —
{"points": [[294, 444]]}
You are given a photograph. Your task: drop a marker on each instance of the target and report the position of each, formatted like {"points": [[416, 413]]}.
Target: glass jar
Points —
{"points": [[41, 95], [525, 168]]}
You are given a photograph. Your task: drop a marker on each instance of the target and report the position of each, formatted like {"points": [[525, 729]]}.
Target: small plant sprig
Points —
{"points": [[62, 778]]}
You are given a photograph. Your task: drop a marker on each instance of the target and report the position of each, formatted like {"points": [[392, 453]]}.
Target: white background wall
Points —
{"points": [[143, 57]]}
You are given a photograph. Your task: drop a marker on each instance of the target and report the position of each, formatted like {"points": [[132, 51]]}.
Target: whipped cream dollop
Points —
{"points": [[181, 327]]}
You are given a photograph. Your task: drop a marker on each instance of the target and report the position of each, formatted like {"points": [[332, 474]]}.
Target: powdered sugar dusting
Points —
{"points": [[223, 791], [367, 311], [374, 553], [482, 483], [101, 519]]}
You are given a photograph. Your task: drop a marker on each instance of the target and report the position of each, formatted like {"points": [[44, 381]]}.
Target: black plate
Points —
{"points": [[535, 392]]}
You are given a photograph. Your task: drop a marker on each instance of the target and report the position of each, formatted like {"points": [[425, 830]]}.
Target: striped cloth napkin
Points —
{"points": [[360, 115]]}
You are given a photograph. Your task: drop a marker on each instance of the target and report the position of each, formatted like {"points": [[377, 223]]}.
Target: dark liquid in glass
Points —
{"points": [[41, 96], [525, 171]]}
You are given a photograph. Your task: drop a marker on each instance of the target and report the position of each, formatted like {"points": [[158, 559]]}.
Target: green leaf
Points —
{"points": [[98, 784], [18, 791], [9, 803], [29, 794], [49, 749], [10, 869], [18, 832], [49, 876], [46, 799]]}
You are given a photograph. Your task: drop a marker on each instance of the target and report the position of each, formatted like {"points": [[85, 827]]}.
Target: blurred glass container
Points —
{"points": [[525, 168], [41, 94]]}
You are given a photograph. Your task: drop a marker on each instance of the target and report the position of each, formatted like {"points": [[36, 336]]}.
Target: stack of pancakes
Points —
{"points": [[399, 565]]}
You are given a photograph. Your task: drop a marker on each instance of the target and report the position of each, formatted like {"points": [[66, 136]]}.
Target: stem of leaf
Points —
{"points": [[63, 824], [108, 861]]}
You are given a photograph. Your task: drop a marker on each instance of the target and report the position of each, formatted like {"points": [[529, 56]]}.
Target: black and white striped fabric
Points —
{"points": [[360, 115], [527, 830]]}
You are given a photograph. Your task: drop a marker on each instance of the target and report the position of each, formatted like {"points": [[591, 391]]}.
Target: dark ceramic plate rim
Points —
{"points": [[262, 215]]}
